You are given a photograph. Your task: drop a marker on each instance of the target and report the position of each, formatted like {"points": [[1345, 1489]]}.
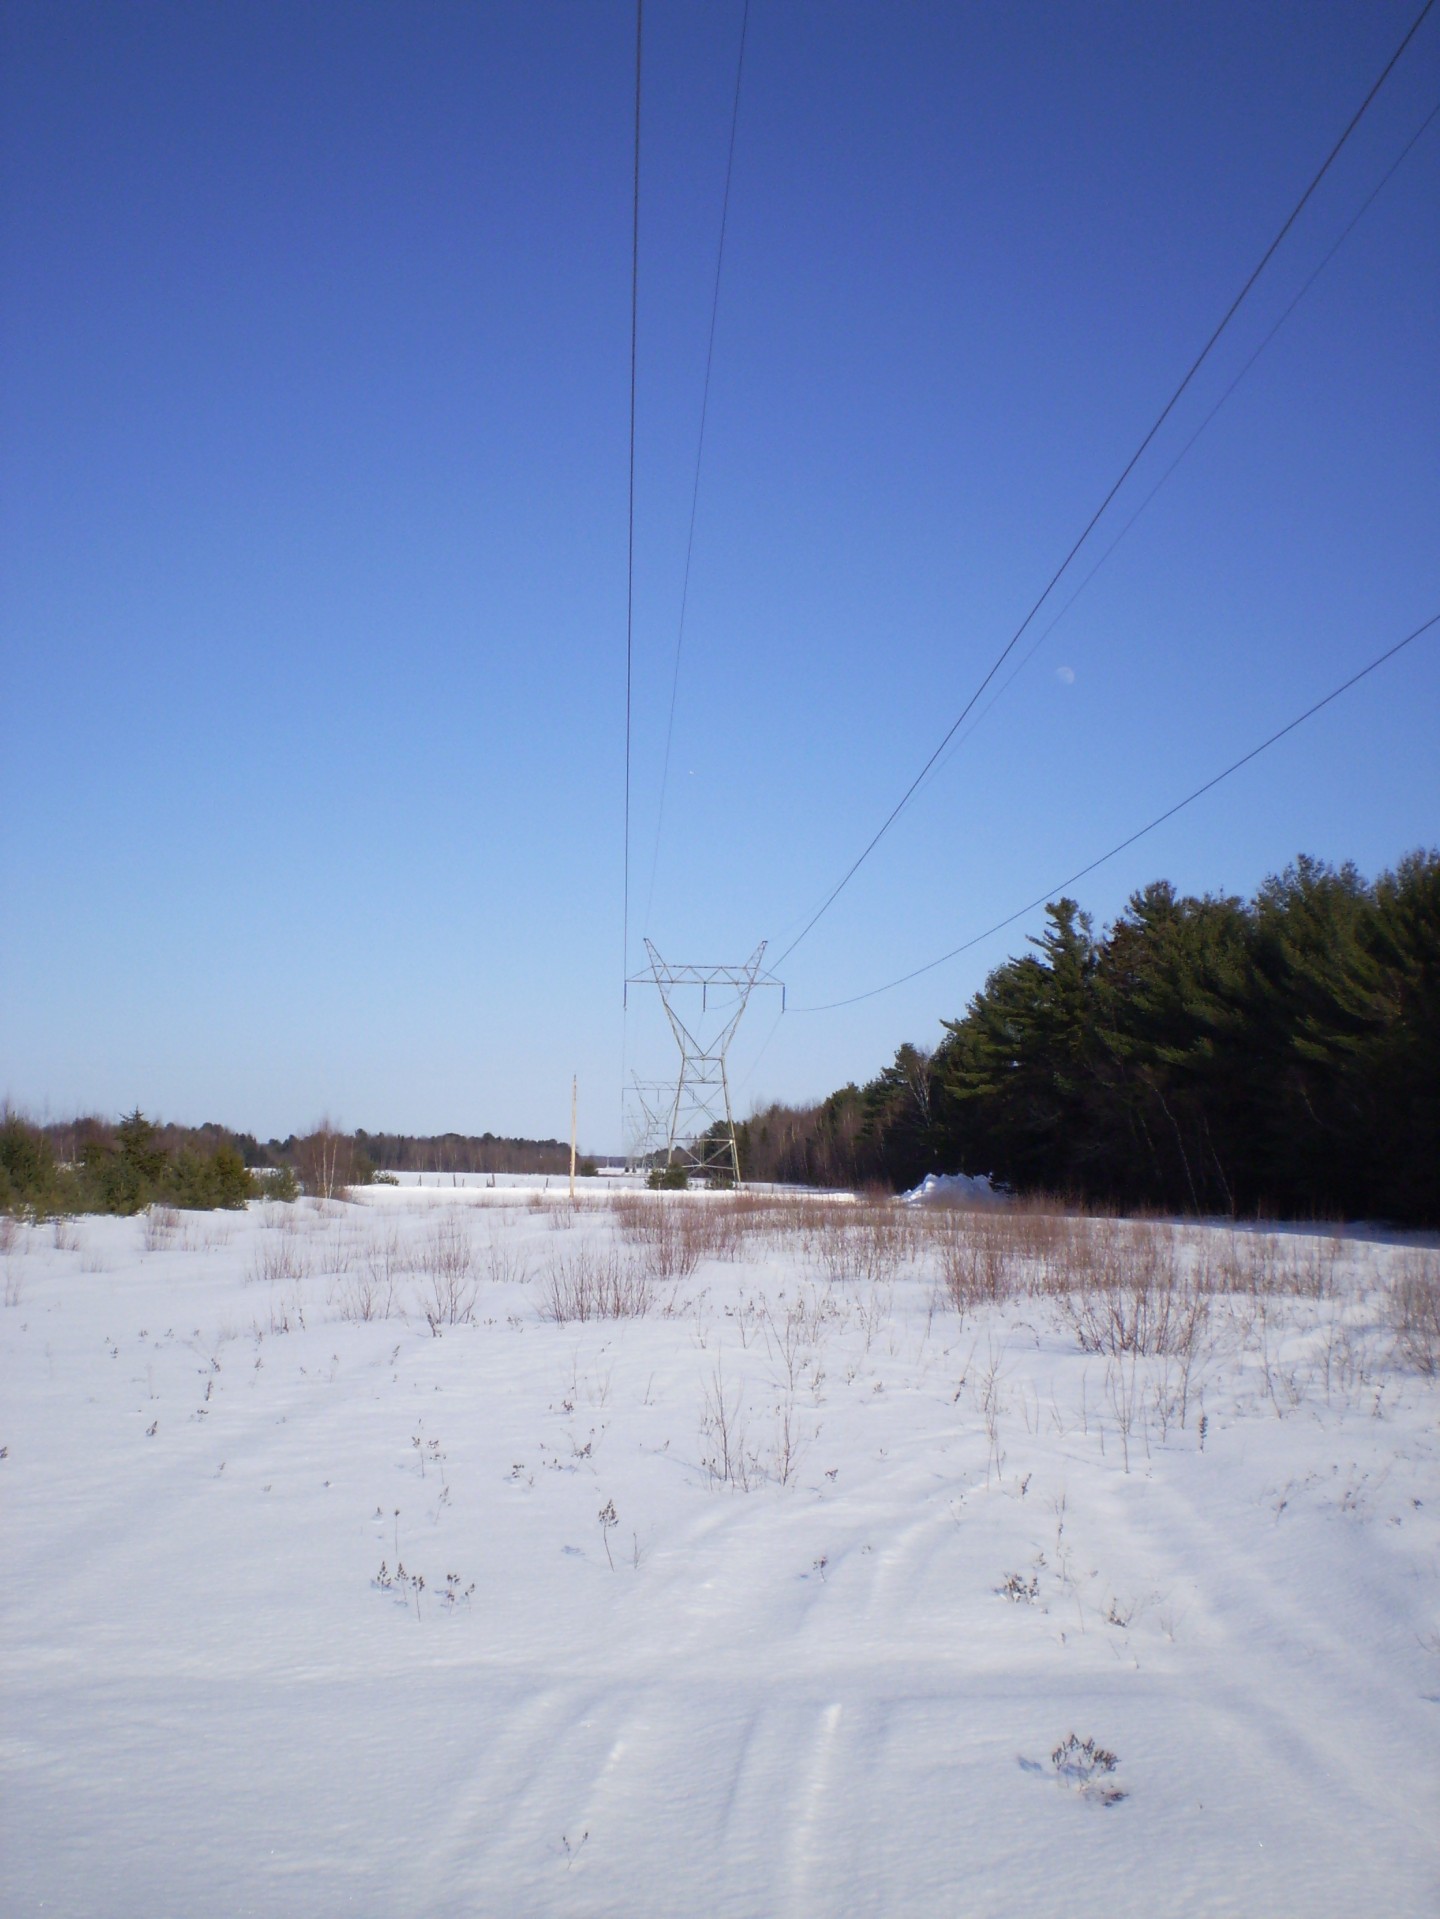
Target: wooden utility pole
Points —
{"points": [[574, 1094]]}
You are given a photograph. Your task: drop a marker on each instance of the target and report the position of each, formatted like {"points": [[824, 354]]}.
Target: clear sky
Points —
{"points": [[315, 355]]}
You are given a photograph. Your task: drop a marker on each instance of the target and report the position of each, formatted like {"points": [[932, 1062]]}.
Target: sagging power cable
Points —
{"points": [[1099, 512], [1053, 892], [1294, 302], [699, 455], [630, 532]]}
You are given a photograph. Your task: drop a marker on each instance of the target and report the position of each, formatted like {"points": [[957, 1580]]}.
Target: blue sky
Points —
{"points": [[315, 359]]}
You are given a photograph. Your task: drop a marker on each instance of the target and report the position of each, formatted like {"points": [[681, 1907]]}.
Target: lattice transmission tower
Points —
{"points": [[687, 1121]]}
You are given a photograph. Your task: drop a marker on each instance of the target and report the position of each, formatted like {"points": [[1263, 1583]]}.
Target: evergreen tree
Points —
{"points": [[125, 1174], [1173, 985], [1015, 1070], [900, 1135], [1204, 1055]]}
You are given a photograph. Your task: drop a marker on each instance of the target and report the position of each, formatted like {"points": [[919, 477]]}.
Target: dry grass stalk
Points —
{"points": [[672, 1233], [505, 1264], [1124, 1291], [1413, 1310], [162, 1224], [869, 1242], [371, 1276], [977, 1256], [278, 1261], [447, 1261], [591, 1284]]}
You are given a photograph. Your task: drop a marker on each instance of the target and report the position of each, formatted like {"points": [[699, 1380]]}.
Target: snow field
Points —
{"points": [[781, 1594]]}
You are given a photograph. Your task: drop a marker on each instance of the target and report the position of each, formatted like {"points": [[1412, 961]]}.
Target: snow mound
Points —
{"points": [[955, 1189]]}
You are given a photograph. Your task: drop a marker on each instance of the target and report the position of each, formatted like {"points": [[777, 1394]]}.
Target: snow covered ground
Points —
{"points": [[784, 1598]]}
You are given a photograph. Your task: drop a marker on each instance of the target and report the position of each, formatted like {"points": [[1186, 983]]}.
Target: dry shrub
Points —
{"points": [[279, 1260], [719, 1228], [732, 1223], [1234, 1268], [1041, 1231], [447, 1262], [1265, 1263], [977, 1255], [987, 1253], [674, 1233], [447, 1247], [1125, 1293], [1314, 1266], [790, 1222], [504, 1264], [162, 1225], [1413, 1311], [869, 1241], [562, 1212], [590, 1284], [325, 1161], [672, 1250], [334, 1254], [800, 1223], [629, 1211], [1137, 1319], [362, 1297], [368, 1288], [11, 1252]]}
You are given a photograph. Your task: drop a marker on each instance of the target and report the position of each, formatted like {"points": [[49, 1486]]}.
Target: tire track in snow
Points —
{"points": [[805, 1853], [1333, 1725], [506, 1805]]}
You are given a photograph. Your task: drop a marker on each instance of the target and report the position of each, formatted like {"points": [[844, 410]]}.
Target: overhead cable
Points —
{"points": [[1125, 473], [699, 455], [630, 534], [1294, 302], [1053, 892]]}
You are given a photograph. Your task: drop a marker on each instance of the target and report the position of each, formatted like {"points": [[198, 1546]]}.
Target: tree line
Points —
{"points": [[1278, 1055], [463, 1153], [95, 1165], [91, 1166]]}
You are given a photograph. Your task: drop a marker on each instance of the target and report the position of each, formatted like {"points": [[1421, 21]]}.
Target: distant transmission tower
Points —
{"points": [[647, 1118], [688, 1122]]}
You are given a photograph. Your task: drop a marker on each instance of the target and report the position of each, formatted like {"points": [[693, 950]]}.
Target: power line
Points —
{"points": [[699, 453], [1304, 288], [754, 1064], [1050, 893], [630, 537], [1095, 517]]}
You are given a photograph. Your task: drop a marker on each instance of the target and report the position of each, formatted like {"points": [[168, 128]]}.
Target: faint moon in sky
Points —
{"points": [[1065, 673]]}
